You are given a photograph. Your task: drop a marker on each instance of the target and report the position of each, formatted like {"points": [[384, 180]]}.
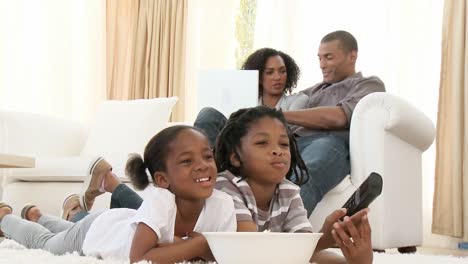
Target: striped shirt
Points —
{"points": [[286, 213]]}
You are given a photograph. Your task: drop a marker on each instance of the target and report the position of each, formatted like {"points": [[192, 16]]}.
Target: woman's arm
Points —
{"points": [[145, 247]]}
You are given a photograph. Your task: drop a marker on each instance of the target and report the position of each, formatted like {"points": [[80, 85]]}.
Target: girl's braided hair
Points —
{"points": [[238, 125]]}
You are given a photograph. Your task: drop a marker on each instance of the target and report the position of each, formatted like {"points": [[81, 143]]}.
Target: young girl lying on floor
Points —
{"points": [[257, 155], [182, 165]]}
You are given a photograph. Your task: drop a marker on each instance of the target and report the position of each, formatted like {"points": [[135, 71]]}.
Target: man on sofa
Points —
{"points": [[322, 131], [322, 128]]}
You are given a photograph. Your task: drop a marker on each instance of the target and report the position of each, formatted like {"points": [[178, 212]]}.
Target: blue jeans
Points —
{"points": [[122, 197], [212, 122], [326, 157]]}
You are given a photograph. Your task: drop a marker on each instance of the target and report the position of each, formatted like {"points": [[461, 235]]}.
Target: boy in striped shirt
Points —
{"points": [[257, 155]]}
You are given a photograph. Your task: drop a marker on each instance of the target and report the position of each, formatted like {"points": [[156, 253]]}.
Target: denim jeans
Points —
{"points": [[122, 197], [326, 157], [211, 121]]}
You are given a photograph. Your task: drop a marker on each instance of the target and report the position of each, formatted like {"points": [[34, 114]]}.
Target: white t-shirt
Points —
{"points": [[290, 102], [111, 234]]}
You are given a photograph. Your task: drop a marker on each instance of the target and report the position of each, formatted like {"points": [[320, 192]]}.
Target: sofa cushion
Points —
{"points": [[342, 186], [30, 134], [123, 127]]}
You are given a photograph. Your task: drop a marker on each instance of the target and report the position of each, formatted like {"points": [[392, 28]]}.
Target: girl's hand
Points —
{"points": [[194, 234], [354, 240], [176, 240], [207, 256]]}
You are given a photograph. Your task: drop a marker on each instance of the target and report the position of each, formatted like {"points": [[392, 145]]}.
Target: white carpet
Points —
{"points": [[12, 252]]}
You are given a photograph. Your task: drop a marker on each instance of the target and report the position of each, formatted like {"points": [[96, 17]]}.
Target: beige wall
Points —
{"points": [[210, 43], [52, 55]]}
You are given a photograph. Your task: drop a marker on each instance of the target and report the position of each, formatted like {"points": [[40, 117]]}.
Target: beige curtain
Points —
{"points": [[450, 213], [146, 50], [121, 35]]}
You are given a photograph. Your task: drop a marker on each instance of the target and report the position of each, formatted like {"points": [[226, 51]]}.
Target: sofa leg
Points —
{"points": [[407, 250], [379, 250]]}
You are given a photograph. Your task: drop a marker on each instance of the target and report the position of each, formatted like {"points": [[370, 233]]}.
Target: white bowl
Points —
{"points": [[262, 247]]}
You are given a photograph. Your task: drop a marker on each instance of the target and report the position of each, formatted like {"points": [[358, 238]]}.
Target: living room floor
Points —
{"points": [[436, 251]]}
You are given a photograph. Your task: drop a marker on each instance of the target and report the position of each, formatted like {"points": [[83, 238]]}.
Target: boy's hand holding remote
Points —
{"points": [[354, 240], [355, 208], [327, 240], [364, 194]]}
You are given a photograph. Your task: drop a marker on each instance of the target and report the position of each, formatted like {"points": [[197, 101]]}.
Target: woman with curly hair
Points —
{"points": [[278, 74]]}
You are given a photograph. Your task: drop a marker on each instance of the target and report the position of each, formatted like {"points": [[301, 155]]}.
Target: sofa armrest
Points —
{"points": [[38, 135], [388, 136], [379, 116], [399, 118]]}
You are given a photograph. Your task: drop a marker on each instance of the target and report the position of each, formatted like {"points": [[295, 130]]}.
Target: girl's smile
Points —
{"points": [[204, 181], [191, 169]]}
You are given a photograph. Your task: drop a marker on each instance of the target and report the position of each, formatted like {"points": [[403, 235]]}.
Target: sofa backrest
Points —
{"points": [[124, 127], [39, 135]]}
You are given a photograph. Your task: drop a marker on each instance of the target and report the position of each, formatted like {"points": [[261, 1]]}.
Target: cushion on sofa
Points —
{"points": [[126, 126]]}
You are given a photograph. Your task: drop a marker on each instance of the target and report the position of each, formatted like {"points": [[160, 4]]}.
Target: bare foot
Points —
{"points": [[33, 214], [110, 182]]}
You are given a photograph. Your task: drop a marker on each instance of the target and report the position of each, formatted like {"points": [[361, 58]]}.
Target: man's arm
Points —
{"points": [[326, 117]]}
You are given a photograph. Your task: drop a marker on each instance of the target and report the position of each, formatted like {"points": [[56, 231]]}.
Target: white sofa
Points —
{"points": [[64, 150], [388, 136]]}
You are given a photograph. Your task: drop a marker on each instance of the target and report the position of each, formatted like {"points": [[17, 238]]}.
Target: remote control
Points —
{"points": [[364, 194]]}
